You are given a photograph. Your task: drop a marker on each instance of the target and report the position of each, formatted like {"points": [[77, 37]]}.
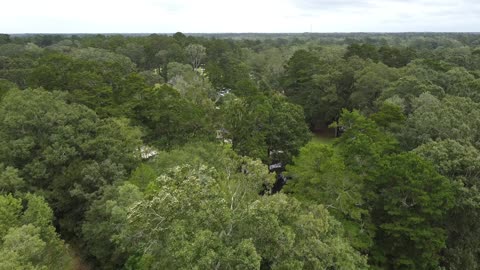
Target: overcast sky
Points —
{"points": [[208, 16]]}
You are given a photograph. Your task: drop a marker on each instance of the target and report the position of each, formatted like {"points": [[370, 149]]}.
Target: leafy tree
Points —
{"points": [[461, 163], [104, 221], [395, 56], [363, 144], [270, 129], [27, 236], [195, 53], [10, 181], [459, 82], [299, 71], [60, 148], [5, 86], [134, 51], [364, 51], [221, 233], [268, 66], [191, 84], [406, 198], [453, 118], [407, 89], [390, 117], [172, 120], [319, 175], [4, 38], [410, 205], [370, 82], [101, 80]]}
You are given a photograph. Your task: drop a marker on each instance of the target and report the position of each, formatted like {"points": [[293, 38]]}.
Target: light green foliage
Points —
{"points": [[363, 143], [303, 236], [10, 209], [144, 173], [458, 82], [220, 156], [195, 53], [455, 118], [10, 181], [5, 86], [177, 69], [319, 175], [461, 163], [191, 84], [105, 57], [408, 88], [453, 159], [199, 217], [64, 46], [107, 218], [231, 227], [22, 249], [268, 66], [28, 238]]}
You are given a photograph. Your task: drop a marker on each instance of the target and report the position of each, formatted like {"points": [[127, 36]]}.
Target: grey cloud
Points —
{"points": [[341, 4], [316, 5], [329, 4]]}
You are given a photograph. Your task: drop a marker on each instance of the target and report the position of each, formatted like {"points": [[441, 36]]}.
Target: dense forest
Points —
{"points": [[240, 151]]}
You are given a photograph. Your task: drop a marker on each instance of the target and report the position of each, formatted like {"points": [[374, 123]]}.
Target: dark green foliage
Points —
{"points": [[410, 204], [4, 38], [461, 164], [61, 149], [407, 199], [98, 79], [400, 183], [390, 56], [268, 128], [390, 117], [173, 120], [364, 51]]}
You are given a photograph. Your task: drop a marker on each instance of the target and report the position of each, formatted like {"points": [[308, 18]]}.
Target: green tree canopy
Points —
{"points": [[232, 227], [27, 237], [60, 148]]}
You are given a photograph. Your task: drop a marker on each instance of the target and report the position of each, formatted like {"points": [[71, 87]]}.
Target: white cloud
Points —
{"points": [[167, 16]]}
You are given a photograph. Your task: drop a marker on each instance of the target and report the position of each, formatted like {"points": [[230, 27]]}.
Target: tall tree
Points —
{"points": [[319, 175], [27, 237], [269, 128], [196, 53], [62, 148]]}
